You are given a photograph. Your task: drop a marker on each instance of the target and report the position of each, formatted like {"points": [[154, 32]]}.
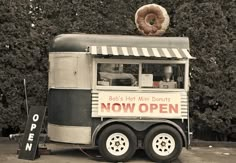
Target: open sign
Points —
{"points": [[33, 127]]}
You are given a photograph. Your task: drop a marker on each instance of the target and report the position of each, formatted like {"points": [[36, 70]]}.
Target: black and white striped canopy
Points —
{"points": [[139, 52]]}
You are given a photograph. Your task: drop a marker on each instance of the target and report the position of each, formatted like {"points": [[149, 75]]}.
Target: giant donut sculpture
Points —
{"points": [[152, 19]]}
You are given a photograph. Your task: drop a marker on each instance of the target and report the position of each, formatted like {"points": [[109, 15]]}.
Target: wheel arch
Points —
{"points": [[138, 125], [102, 126]]}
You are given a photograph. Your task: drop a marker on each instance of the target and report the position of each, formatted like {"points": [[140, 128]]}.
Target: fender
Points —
{"points": [[133, 124]]}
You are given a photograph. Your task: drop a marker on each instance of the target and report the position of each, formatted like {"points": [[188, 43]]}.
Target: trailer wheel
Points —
{"points": [[163, 143], [117, 143]]}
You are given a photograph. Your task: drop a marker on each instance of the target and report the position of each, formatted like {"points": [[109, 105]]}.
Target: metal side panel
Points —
{"points": [[69, 134], [69, 70], [69, 107]]}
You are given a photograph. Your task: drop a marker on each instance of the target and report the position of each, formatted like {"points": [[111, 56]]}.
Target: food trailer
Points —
{"points": [[120, 93]]}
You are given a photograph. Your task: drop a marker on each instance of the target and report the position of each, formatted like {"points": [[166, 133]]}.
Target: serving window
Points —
{"points": [[166, 76], [140, 75], [117, 74]]}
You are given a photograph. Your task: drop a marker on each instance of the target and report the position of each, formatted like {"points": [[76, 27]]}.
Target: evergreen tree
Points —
{"points": [[28, 26]]}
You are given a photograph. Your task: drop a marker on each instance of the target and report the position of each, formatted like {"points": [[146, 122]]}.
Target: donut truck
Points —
{"points": [[121, 93]]}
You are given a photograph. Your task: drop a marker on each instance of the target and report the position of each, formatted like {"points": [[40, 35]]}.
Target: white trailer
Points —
{"points": [[120, 93]]}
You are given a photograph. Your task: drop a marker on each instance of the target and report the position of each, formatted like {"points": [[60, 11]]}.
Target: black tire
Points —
{"points": [[126, 143], [163, 144]]}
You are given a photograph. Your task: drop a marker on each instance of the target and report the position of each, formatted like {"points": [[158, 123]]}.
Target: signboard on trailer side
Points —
{"points": [[153, 105]]}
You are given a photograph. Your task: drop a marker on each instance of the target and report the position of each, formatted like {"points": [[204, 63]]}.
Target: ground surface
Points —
{"points": [[65, 155]]}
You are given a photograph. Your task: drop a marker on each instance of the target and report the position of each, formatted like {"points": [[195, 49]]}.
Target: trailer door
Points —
{"points": [[65, 71]]}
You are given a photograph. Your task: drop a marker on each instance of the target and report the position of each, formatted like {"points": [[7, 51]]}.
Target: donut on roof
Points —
{"points": [[152, 19]]}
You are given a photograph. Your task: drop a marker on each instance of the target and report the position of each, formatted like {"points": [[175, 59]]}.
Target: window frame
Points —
{"points": [[185, 62]]}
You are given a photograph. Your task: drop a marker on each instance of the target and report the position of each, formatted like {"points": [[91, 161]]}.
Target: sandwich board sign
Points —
{"points": [[29, 145]]}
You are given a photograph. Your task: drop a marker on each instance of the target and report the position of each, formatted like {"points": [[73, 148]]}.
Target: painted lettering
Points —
{"points": [[143, 108], [31, 137], [116, 107], [173, 108], [161, 99], [130, 98], [35, 117], [143, 99], [163, 108], [128, 107], [105, 108], [33, 126], [153, 107], [28, 147]]}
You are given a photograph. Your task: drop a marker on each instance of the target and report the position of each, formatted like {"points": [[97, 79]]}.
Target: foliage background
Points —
{"points": [[28, 26]]}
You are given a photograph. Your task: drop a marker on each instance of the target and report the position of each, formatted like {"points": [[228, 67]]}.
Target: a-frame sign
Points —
{"points": [[29, 145]]}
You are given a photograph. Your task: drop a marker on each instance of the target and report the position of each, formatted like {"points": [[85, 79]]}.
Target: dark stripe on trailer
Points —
{"points": [[69, 107]]}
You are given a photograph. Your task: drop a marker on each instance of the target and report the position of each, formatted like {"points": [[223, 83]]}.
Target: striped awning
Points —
{"points": [[140, 52]]}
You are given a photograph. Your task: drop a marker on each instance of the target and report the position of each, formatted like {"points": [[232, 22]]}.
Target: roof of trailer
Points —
{"points": [[81, 42]]}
